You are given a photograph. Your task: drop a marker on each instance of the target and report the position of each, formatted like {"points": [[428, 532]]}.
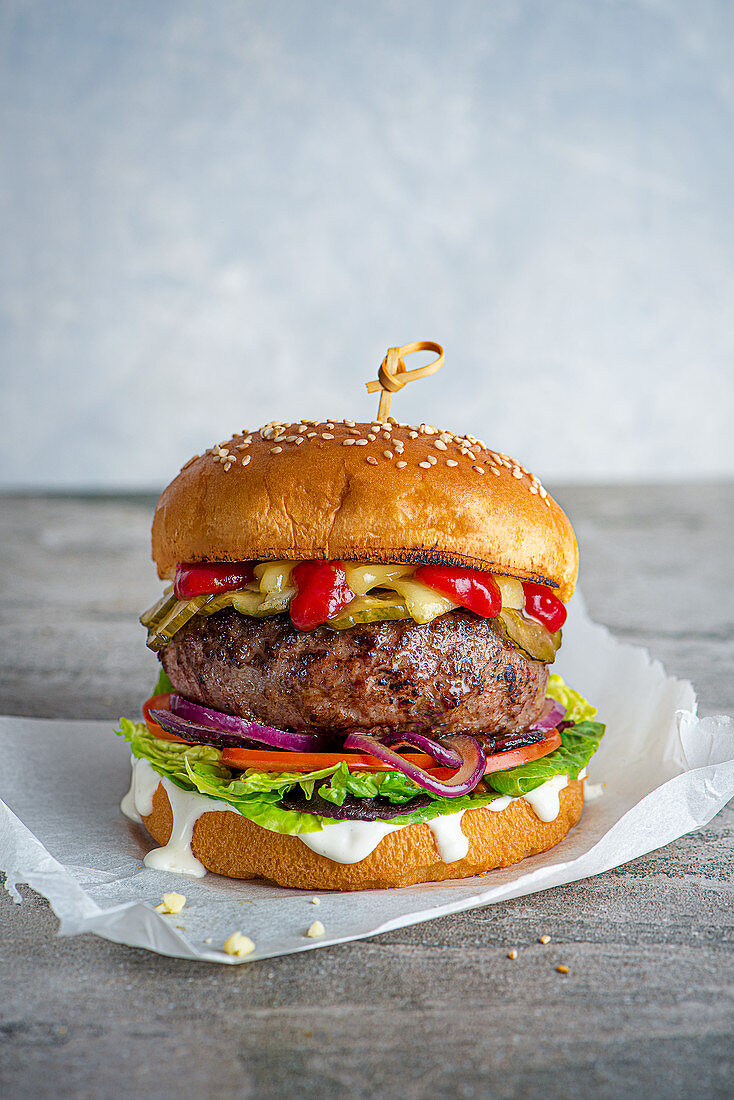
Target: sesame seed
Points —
{"points": [[376, 427], [302, 427], [533, 488], [451, 462], [544, 939], [425, 465], [360, 443], [413, 435], [227, 465], [542, 492], [479, 469], [348, 443], [372, 461], [330, 427], [516, 472], [310, 435], [401, 465], [563, 969], [275, 450], [355, 431], [290, 439], [246, 459], [242, 446], [327, 435], [432, 459], [428, 429], [439, 445], [371, 437], [387, 454], [512, 954], [495, 471], [350, 423]]}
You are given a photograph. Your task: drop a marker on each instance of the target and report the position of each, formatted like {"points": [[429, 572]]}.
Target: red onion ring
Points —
{"points": [[551, 715], [465, 780], [441, 753], [212, 727]]}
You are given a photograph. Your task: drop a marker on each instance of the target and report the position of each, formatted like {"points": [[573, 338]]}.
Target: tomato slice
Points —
{"points": [[159, 702], [279, 761], [501, 761]]}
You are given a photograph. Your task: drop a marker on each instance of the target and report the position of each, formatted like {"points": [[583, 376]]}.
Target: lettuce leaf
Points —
{"points": [[579, 743], [578, 709], [257, 794], [163, 684]]}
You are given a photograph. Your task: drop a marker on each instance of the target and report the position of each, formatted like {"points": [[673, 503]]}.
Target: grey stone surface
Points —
{"points": [[438, 1009]]}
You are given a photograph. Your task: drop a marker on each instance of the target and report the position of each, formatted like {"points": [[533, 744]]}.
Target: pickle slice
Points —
{"points": [[161, 633], [160, 608], [370, 609], [530, 636]]}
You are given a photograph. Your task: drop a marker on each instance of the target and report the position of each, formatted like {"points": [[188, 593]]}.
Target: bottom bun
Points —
{"points": [[229, 844]]}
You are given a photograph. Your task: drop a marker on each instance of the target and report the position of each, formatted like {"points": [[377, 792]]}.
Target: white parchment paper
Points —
{"points": [[664, 771]]}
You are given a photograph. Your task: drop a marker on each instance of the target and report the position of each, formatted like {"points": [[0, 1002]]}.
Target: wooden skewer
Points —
{"points": [[392, 375]]}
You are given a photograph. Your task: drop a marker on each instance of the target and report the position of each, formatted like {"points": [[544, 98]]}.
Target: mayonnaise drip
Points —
{"points": [[187, 807], [545, 801]]}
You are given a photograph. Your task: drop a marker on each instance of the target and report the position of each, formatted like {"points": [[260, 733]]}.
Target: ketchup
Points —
{"points": [[471, 588], [206, 578], [544, 605], [322, 593]]}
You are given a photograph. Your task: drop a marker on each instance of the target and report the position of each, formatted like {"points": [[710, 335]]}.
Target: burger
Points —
{"points": [[356, 637]]}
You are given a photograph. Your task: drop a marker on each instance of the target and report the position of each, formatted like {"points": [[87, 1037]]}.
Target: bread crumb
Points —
{"points": [[239, 945], [316, 929], [544, 939], [562, 969], [315, 901], [512, 954], [171, 903], [208, 939]]}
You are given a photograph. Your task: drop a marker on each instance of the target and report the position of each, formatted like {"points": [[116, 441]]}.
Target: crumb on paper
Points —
{"points": [[171, 903], [316, 929], [563, 969], [544, 939], [239, 945], [315, 901], [512, 954], [208, 939]]}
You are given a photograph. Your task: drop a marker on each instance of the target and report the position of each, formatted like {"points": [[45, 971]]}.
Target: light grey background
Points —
{"points": [[218, 212]]}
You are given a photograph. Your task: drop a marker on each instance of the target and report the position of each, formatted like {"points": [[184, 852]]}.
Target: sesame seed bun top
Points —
{"points": [[370, 492]]}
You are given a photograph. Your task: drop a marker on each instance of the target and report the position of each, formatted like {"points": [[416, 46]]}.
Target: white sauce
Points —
{"points": [[500, 803], [138, 802], [545, 801], [348, 841], [187, 807], [451, 840], [342, 841]]}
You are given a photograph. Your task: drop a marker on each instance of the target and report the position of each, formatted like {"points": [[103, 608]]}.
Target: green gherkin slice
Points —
{"points": [[370, 609], [530, 636], [164, 628], [160, 608]]}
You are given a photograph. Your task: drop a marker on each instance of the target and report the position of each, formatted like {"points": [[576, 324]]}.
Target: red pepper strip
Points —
{"points": [[544, 605], [477, 591], [322, 593], [207, 578]]}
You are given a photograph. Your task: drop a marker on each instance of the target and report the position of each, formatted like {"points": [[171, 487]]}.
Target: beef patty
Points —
{"points": [[457, 673]]}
